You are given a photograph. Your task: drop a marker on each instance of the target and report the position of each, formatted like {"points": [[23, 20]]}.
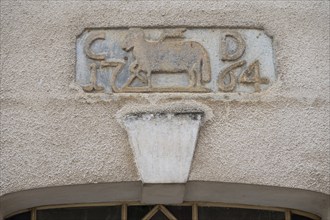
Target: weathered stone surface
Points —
{"points": [[174, 60], [54, 134], [163, 144]]}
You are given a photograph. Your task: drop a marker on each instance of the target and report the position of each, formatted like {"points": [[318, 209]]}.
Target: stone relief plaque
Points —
{"points": [[199, 60]]}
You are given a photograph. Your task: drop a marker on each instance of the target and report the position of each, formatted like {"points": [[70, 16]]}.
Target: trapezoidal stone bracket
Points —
{"points": [[163, 141]]}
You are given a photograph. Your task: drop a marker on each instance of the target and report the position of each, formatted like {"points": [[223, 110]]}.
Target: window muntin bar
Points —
{"points": [[195, 210]]}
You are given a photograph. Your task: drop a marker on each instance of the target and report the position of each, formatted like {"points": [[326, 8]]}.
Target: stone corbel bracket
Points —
{"points": [[163, 139]]}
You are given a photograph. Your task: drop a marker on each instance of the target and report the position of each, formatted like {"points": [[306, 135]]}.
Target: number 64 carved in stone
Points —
{"points": [[227, 79], [194, 60], [250, 76]]}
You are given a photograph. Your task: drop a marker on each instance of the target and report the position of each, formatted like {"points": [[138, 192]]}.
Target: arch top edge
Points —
{"points": [[194, 191]]}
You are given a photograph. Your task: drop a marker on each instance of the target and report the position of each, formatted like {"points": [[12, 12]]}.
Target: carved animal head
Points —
{"points": [[134, 34]]}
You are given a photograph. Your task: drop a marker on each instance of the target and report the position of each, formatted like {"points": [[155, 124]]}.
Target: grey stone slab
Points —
{"points": [[207, 60], [163, 144]]}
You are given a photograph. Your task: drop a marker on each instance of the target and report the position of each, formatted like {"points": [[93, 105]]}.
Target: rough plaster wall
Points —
{"points": [[54, 134]]}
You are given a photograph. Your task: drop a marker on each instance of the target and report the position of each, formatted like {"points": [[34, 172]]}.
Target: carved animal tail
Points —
{"points": [[206, 68]]}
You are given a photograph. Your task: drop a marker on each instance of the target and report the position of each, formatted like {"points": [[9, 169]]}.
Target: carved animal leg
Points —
{"points": [[141, 76], [198, 77], [132, 70], [133, 66], [192, 78], [149, 78]]}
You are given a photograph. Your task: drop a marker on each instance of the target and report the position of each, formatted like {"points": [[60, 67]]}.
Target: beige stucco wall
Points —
{"points": [[53, 134]]}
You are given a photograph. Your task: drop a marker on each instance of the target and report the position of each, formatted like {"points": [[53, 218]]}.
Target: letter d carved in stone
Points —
{"points": [[232, 46], [174, 60]]}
